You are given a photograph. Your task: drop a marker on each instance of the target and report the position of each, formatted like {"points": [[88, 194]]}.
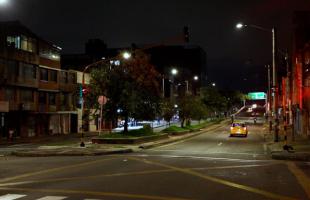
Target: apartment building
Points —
{"points": [[36, 96]]}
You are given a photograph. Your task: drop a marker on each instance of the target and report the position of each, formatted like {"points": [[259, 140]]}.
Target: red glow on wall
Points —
{"points": [[298, 79]]}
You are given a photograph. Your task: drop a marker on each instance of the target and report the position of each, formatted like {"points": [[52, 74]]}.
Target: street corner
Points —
{"points": [[293, 156]]}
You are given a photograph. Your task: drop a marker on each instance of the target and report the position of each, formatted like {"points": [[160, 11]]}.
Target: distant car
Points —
{"points": [[238, 129]]}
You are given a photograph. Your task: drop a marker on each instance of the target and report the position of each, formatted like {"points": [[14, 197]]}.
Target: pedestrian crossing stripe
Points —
{"points": [[52, 198], [11, 196]]}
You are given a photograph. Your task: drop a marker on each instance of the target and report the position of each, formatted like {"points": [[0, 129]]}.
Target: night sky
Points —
{"points": [[235, 58]]}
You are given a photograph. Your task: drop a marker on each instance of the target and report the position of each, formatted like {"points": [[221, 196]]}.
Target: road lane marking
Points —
{"points": [[95, 193], [211, 153], [53, 170], [127, 174], [85, 177], [302, 178], [11, 196], [52, 198], [206, 158], [221, 181], [206, 130]]}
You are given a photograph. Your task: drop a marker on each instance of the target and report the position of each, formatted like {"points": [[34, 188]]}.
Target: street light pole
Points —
{"points": [[275, 86], [274, 76]]}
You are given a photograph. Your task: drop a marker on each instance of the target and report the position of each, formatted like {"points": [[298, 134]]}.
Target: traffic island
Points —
{"points": [[128, 140], [70, 152]]}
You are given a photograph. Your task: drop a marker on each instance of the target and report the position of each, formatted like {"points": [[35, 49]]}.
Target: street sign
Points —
{"points": [[257, 95]]}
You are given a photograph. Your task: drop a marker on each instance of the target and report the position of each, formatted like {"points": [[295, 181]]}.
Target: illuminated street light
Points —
{"points": [[274, 74], [196, 78], [126, 55], [3, 2], [174, 71], [240, 26], [213, 84]]}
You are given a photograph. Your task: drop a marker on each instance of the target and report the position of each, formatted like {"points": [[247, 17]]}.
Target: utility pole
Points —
{"points": [[269, 100], [275, 87]]}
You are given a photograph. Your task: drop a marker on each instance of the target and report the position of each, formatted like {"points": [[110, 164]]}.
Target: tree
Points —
{"points": [[185, 110], [199, 109], [131, 88], [167, 110], [213, 99]]}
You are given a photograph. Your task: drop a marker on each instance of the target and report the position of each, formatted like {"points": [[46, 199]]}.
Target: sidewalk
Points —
{"points": [[102, 149], [300, 145]]}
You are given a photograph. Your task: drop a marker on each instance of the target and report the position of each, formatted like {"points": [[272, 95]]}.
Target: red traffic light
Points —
{"points": [[85, 90]]}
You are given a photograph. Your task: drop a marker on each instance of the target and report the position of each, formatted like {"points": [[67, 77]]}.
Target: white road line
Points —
{"points": [[92, 199], [52, 198], [11, 196], [205, 158], [230, 153]]}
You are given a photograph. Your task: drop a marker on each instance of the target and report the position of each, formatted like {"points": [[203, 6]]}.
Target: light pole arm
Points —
{"points": [[260, 28]]}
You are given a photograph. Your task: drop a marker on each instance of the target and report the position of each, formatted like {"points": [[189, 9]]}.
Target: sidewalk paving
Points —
{"points": [[300, 145], [101, 149]]}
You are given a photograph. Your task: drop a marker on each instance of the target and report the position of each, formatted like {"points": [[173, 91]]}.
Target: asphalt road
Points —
{"points": [[209, 166]]}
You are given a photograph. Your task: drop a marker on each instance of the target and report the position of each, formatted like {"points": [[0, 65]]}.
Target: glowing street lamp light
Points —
{"points": [[126, 55], [240, 25], [213, 84], [174, 71], [3, 2], [196, 78]]}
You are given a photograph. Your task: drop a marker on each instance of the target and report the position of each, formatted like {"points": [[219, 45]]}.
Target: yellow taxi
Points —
{"points": [[238, 129]]}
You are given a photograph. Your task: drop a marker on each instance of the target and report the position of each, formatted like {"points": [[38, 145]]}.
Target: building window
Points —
{"points": [[13, 41], [72, 78], [26, 96], [29, 71], [64, 77], [42, 97], [12, 68], [43, 74], [52, 99], [10, 94], [22, 42], [53, 75], [63, 99]]}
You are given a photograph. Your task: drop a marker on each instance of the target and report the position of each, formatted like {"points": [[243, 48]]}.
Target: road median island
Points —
{"points": [[70, 152], [121, 144]]}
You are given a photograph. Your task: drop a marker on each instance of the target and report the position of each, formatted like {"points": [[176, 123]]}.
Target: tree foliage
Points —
{"points": [[167, 110], [131, 88]]}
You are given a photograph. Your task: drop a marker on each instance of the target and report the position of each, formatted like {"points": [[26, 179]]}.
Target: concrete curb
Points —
{"points": [[69, 153], [276, 152], [300, 156]]}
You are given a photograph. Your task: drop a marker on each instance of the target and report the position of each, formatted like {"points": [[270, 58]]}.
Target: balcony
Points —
{"points": [[20, 55]]}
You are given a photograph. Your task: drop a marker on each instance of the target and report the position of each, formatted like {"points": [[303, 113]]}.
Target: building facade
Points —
{"points": [[299, 98], [37, 97]]}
